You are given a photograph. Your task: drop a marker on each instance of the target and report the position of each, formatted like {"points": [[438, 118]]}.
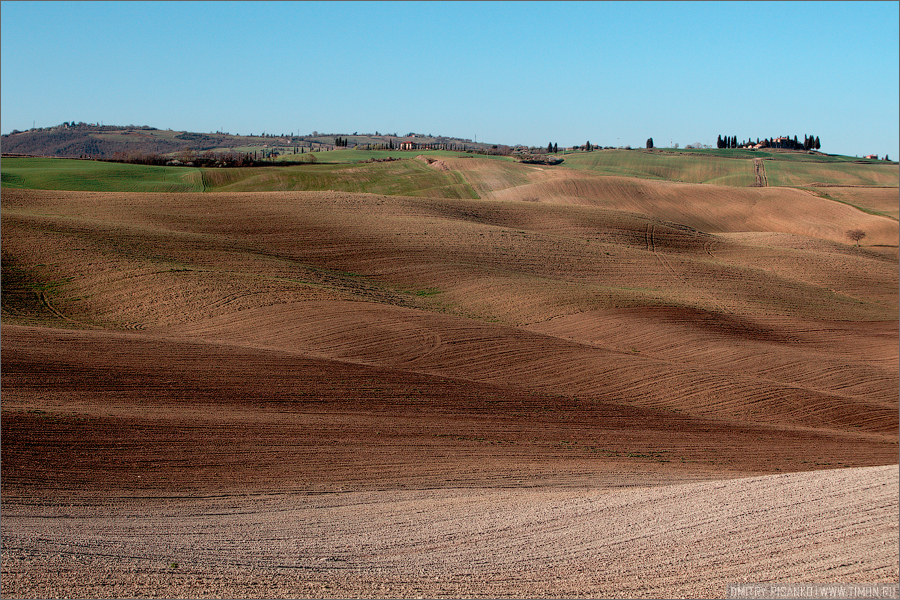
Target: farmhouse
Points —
{"points": [[782, 142], [409, 145], [872, 156]]}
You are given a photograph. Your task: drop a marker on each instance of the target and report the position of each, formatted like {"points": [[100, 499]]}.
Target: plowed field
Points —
{"points": [[573, 386]]}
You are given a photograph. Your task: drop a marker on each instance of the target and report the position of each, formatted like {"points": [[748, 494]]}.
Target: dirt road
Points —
{"points": [[761, 180]]}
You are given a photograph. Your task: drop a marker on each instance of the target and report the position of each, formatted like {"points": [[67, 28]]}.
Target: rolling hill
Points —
{"points": [[414, 336], [106, 142]]}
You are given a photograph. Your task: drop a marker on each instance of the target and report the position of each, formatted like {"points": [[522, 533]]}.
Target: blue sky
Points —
{"points": [[507, 72]]}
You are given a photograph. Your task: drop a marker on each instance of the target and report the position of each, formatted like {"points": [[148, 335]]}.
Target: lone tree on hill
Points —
{"points": [[650, 142], [856, 235]]}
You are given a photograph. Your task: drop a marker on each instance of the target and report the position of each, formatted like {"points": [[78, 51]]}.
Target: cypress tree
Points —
{"points": [[818, 145]]}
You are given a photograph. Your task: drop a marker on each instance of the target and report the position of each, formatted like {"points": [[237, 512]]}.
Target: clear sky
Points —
{"points": [[612, 73]]}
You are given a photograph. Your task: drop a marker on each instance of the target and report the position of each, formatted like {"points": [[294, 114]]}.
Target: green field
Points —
{"points": [[796, 173], [689, 168], [735, 167], [353, 155], [398, 178], [96, 176], [348, 171], [402, 178], [771, 154]]}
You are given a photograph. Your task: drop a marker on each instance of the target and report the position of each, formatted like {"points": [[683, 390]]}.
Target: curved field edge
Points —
{"points": [[879, 201]]}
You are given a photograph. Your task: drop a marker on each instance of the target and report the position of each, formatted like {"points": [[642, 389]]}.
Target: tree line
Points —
{"points": [[809, 142], [190, 158]]}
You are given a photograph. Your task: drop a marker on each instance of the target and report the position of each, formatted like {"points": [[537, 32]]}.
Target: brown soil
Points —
{"points": [[323, 394], [686, 540], [883, 200]]}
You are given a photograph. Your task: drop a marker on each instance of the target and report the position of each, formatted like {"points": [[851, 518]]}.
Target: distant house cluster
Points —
{"points": [[779, 142], [411, 145], [782, 142]]}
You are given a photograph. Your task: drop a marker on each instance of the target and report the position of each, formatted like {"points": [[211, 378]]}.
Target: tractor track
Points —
{"points": [[761, 179]]}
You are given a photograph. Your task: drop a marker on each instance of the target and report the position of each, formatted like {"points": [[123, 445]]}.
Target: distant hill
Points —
{"points": [[77, 140], [125, 143]]}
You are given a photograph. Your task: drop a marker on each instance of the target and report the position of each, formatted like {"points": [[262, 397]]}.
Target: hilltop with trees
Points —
{"points": [[153, 146], [783, 142]]}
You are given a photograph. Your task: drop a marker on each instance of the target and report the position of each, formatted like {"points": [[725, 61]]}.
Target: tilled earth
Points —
{"points": [[604, 540], [334, 394], [136, 465]]}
